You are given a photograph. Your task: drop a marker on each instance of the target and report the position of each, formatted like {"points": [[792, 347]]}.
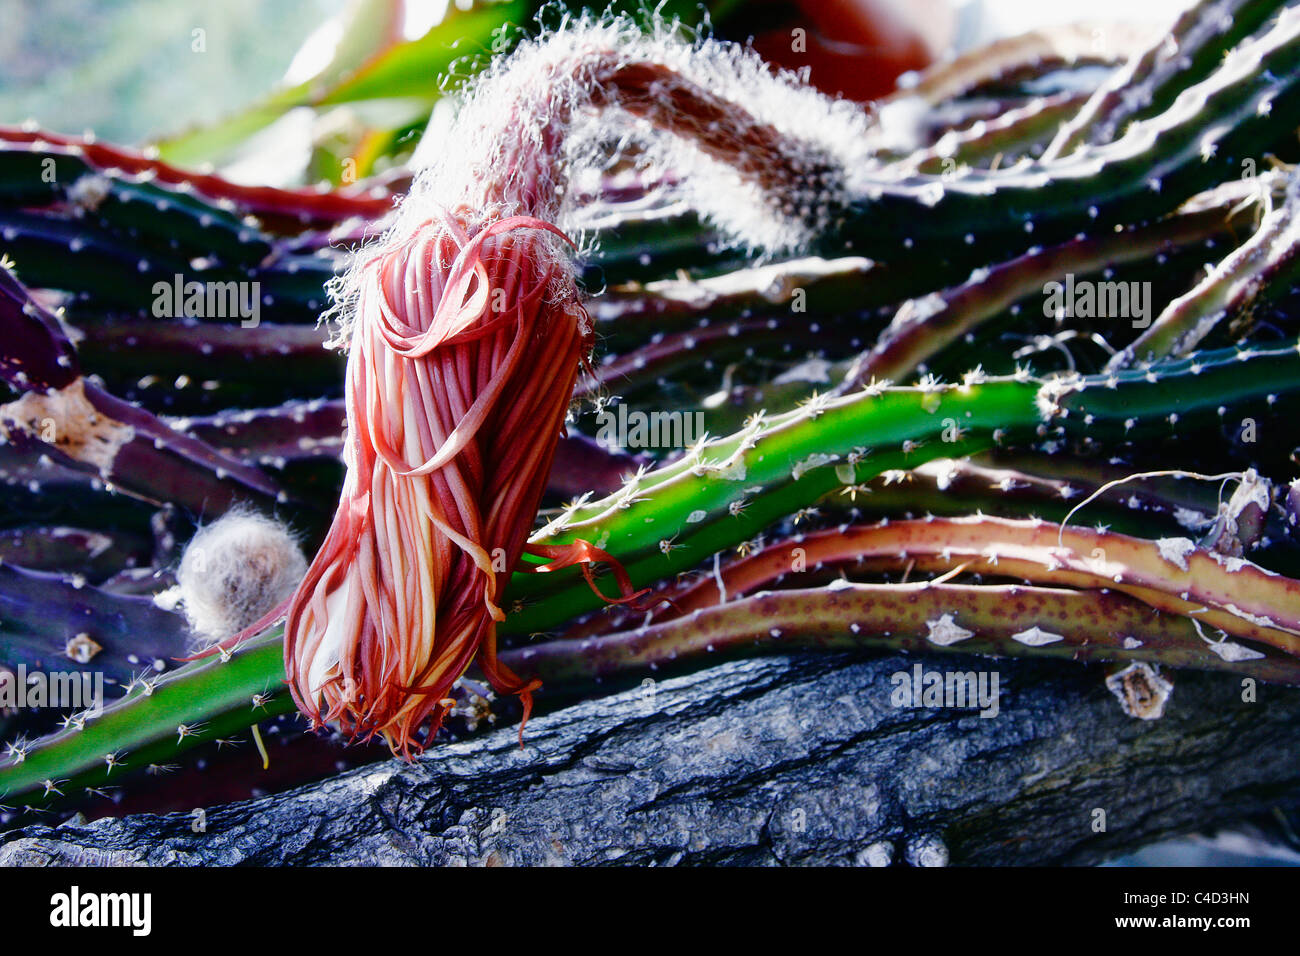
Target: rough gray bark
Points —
{"points": [[799, 760]]}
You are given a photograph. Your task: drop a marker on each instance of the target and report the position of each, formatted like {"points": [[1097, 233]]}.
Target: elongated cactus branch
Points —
{"points": [[1264, 267], [924, 327], [1003, 620], [22, 150], [1171, 575], [1151, 79]]}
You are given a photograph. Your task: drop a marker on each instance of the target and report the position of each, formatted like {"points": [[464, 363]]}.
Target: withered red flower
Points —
{"points": [[465, 335], [465, 345]]}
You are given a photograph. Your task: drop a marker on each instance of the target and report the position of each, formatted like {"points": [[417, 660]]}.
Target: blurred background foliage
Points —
{"points": [[127, 70], [291, 91], [272, 91]]}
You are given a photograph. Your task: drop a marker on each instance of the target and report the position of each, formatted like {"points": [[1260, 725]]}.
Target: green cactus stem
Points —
{"points": [[924, 327], [1172, 575], [726, 491], [1014, 134], [1248, 103], [1149, 82], [1007, 61], [1264, 267], [23, 151], [995, 620]]}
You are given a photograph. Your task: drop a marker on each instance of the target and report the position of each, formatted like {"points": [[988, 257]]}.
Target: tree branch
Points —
{"points": [[779, 760]]}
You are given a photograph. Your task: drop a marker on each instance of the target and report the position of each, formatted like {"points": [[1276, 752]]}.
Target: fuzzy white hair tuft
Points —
{"points": [[534, 121], [234, 571]]}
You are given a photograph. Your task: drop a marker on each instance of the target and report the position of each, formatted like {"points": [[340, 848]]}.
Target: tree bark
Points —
{"points": [[778, 760]]}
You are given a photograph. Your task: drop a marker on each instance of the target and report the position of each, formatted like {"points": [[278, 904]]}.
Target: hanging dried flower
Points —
{"points": [[464, 350], [465, 335]]}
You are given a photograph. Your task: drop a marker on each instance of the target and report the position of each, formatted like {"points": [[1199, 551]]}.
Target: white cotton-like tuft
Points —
{"points": [[234, 571], [560, 109]]}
